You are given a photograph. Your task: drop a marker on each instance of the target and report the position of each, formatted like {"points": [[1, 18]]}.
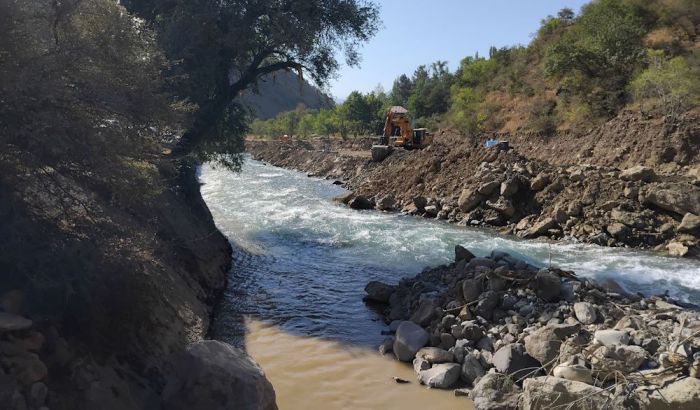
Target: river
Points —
{"points": [[301, 264]]}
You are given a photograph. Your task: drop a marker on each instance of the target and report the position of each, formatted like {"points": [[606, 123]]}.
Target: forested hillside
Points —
{"points": [[580, 69]]}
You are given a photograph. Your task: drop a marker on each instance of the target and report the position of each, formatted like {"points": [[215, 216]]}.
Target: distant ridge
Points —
{"points": [[281, 93]]}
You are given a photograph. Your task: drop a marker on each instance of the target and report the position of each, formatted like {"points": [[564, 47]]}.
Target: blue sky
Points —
{"points": [[419, 32]]}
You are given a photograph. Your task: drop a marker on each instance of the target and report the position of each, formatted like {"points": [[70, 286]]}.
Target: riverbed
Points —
{"points": [[301, 263]]}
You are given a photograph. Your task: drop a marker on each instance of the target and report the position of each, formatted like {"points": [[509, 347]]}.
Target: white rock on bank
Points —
{"points": [[440, 376], [410, 338]]}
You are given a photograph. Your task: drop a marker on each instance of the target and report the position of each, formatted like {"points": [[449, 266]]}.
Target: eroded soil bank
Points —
{"points": [[631, 182]]}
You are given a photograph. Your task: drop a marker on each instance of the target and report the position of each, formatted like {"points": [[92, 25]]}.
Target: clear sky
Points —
{"points": [[416, 32]]}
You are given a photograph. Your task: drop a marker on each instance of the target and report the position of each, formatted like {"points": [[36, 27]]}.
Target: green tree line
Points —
{"points": [[579, 69]]}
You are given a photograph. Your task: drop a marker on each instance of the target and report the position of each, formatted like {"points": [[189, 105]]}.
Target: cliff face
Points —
{"points": [[114, 294]]}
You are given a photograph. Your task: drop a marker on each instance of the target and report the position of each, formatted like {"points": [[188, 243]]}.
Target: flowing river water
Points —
{"points": [[301, 262]]}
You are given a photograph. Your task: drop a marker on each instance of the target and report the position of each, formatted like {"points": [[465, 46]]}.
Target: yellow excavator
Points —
{"points": [[398, 133]]}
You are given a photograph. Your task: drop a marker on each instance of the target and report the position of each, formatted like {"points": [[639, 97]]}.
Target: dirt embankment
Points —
{"points": [[631, 182], [100, 303]]}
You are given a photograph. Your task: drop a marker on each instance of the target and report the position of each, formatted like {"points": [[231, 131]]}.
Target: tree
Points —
{"points": [[401, 90], [224, 47]]}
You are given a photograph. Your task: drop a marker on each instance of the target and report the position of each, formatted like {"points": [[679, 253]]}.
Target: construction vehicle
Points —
{"points": [[398, 133]]}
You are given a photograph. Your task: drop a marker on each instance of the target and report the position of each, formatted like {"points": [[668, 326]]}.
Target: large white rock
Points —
{"points": [[410, 338], [681, 395], [610, 337], [440, 376], [548, 392], [585, 312]]}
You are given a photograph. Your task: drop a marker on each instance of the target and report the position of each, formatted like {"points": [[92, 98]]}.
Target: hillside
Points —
{"points": [[280, 92]]}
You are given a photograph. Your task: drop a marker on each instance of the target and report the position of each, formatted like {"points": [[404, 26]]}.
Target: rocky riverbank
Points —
{"points": [[510, 335], [564, 187], [104, 308]]}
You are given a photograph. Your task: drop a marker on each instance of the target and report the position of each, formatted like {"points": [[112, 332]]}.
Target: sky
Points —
{"points": [[416, 32]]}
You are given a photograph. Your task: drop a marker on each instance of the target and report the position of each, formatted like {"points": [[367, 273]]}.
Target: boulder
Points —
{"points": [[431, 210], [360, 202], [574, 372], [623, 358], [638, 173], [611, 337], [472, 369], [540, 228], [435, 355], [386, 203], [468, 200], [619, 231], [539, 182], [675, 197], [214, 375], [554, 392], [683, 394], [487, 303], [502, 206], [471, 289], [690, 223], [548, 285], [494, 392], [462, 253], [677, 249], [410, 338], [545, 343], [10, 322], [378, 291], [420, 203], [585, 312], [440, 376], [426, 312], [509, 187], [488, 188], [512, 359]]}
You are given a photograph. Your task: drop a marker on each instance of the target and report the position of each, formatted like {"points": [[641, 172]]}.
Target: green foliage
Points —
{"points": [[671, 85]]}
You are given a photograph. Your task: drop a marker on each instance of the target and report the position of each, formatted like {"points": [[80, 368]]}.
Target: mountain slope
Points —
{"points": [[281, 92]]}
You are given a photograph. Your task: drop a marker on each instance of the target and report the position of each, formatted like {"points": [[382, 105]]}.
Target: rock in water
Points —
{"points": [[440, 376], [585, 312], [213, 375], [462, 253], [410, 338], [378, 291]]}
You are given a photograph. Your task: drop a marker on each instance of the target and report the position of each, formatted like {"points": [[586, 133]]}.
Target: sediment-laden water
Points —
{"points": [[302, 262]]}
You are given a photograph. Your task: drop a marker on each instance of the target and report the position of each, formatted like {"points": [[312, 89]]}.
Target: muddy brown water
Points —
{"points": [[312, 373]]}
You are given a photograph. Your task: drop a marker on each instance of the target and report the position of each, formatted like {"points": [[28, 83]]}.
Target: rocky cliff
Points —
{"points": [[631, 182], [104, 305]]}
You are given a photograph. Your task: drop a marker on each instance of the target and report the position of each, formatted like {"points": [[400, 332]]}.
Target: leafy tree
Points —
{"points": [[401, 90], [224, 47]]}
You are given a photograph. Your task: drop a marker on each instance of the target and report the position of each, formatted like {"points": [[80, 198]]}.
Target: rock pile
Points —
{"points": [[519, 336]]}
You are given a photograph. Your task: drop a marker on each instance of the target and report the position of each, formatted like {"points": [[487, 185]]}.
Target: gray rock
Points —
{"points": [[386, 203], [610, 337], [540, 228], [440, 376], [420, 364], [420, 203], [638, 173], [214, 375], [462, 253], [469, 200], [675, 197], [574, 372], [37, 394], [624, 358], [539, 182], [435, 355], [10, 322], [378, 291], [545, 343], [548, 285], [486, 305], [410, 338], [554, 392], [472, 369], [585, 312], [360, 202], [513, 360], [471, 289], [683, 394], [387, 345], [427, 311], [432, 210], [494, 392], [619, 231], [488, 188], [510, 187], [690, 223], [677, 249]]}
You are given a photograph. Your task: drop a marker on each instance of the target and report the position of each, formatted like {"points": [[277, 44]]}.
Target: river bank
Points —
{"points": [[109, 308], [510, 335], [563, 187]]}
